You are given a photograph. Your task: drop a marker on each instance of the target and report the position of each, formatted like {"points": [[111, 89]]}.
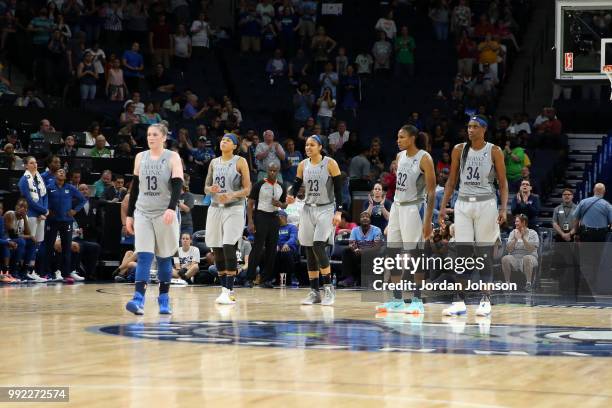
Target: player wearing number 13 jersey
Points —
{"points": [[476, 164], [229, 182]]}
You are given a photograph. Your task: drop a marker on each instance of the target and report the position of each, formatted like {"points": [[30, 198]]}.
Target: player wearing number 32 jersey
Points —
{"points": [[229, 182]]}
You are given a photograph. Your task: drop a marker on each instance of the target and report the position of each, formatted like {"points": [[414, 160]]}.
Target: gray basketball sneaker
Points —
{"points": [[329, 295], [312, 298]]}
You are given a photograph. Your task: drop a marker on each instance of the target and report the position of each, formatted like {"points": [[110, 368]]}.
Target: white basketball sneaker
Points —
{"points": [[224, 298], [484, 307], [456, 309], [34, 276], [329, 295], [312, 298], [77, 278]]}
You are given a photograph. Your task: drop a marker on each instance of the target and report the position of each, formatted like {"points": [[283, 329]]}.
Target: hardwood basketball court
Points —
{"points": [[267, 350]]}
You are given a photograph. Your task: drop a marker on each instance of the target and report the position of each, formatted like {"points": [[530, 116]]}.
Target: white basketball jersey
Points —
{"points": [[477, 172], [410, 183]]}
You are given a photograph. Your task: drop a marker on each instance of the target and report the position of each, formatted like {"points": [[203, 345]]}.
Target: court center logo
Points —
{"points": [[401, 334]]}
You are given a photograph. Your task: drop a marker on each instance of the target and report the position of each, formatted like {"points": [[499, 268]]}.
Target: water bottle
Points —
{"points": [[334, 280]]}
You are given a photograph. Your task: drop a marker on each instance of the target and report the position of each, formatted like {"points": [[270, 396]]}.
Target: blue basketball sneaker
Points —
{"points": [[392, 306], [136, 305], [164, 304], [416, 307]]}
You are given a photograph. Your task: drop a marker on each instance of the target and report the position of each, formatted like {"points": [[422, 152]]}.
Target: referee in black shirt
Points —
{"points": [[266, 198]]}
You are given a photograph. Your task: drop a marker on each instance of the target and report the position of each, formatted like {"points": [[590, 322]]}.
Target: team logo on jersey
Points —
{"points": [[403, 334]]}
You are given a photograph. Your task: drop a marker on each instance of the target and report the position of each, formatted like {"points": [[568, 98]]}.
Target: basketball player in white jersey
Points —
{"points": [[229, 182], [321, 213], [408, 226], [151, 216], [476, 164]]}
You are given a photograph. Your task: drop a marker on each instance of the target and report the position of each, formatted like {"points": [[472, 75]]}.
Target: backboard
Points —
{"points": [[583, 39]]}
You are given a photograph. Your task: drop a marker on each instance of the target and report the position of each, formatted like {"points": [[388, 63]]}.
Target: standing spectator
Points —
{"points": [[53, 164], [86, 72], [522, 246], [269, 152], [61, 218], [351, 87], [593, 216], [32, 188], [466, 54], [404, 47], [87, 217], [159, 42], [308, 20], [292, 160], [387, 25], [265, 12], [99, 59], [129, 116], [303, 102], [321, 47], [378, 207], [563, 217], [41, 28], [200, 36], [181, 48], [440, 16], [382, 53], [56, 65], [364, 238], [287, 26], [326, 104], [389, 180], [329, 79], [489, 53], [191, 109], [113, 24], [342, 61], [116, 89], [298, 67], [186, 204], [526, 203], [265, 200], [250, 30], [133, 64], [364, 63], [137, 22], [514, 156], [360, 168]]}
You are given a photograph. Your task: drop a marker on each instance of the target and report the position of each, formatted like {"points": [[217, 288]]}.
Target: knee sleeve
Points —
{"points": [[311, 261], [164, 269], [219, 259], [231, 262], [318, 247], [143, 266]]}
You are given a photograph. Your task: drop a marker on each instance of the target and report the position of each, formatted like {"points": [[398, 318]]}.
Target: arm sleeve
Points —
{"points": [[176, 184], [133, 196], [283, 196], [338, 191]]}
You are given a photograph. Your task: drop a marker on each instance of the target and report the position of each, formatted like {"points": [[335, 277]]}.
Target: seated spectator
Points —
{"points": [[287, 248], [378, 207], [124, 151], [129, 116], [298, 67], [7, 245], [231, 113], [133, 65], [202, 155], [139, 106], [303, 102], [294, 209], [345, 226], [484, 27], [12, 138], [68, 148], [75, 178], [382, 52], [444, 162], [359, 167], [160, 80], [186, 204], [191, 110], [100, 149], [14, 162], [292, 160], [522, 247], [117, 191], [550, 129], [377, 159], [524, 202], [150, 117], [116, 89], [337, 139], [18, 230], [277, 65], [128, 264], [389, 180], [171, 106], [84, 253], [91, 135], [45, 128], [466, 54], [105, 181], [187, 263], [365, 237], [29, 99]]}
